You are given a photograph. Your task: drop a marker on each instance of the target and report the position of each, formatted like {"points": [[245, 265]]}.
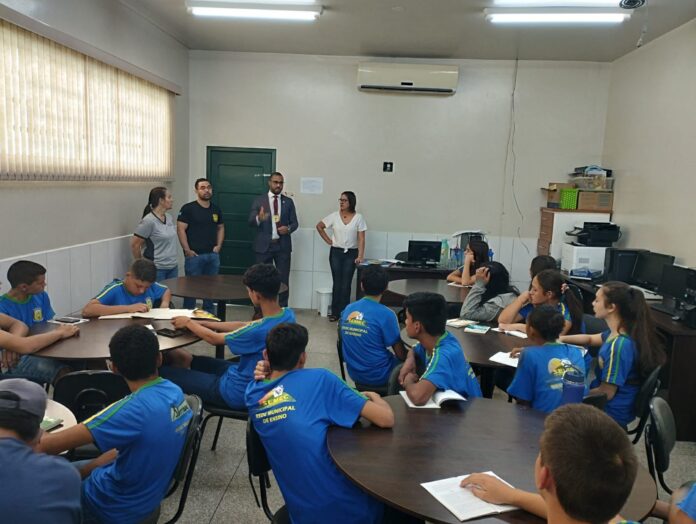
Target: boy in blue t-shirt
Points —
{"points": [[538, 380], [136, 293], [28, 302], [219, 381], [141, 436], [291, 411], [437, 351], [368, 329]]}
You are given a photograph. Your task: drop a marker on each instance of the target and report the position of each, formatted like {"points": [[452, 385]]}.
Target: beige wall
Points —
{"points": [[449, 152], [651, 144], [39, 216]]}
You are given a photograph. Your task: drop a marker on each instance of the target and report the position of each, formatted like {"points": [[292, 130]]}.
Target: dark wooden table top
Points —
{"points": [[460, 438], [452, 294], [213, 287], [478, 349], [94, 337]]}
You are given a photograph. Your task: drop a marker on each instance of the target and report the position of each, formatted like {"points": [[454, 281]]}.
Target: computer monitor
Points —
{"points": [[674, 282], [424, 251], [619, 263], [648, 270]]}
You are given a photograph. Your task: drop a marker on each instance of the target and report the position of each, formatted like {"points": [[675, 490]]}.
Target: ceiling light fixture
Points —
{"points": [[556, 16], [557, 3], [255, 10]]}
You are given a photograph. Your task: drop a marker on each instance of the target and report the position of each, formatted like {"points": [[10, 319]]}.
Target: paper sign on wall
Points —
{"points": [[312, 186]]}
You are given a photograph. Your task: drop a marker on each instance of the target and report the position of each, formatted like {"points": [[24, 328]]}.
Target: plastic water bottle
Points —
{"points": [[573, 387], [444, 253], [490, 254]]}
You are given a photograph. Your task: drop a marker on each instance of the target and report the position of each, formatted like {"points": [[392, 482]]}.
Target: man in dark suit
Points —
{"points": [[273, 214]]}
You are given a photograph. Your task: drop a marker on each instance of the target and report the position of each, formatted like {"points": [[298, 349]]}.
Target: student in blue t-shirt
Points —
{"points": [[547, 289], [291, 411], [141, 436], [136, 293], [684, 511], [28, 302], [368, 329], [438, 352], [219, 381], [539, 377], [630, 350]]}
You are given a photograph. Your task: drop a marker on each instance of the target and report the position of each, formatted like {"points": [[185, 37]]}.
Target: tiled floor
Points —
{"points": [[220, 490]]}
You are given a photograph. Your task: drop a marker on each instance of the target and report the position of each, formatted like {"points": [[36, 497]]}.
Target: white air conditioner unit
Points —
{"points": [[410, 78]]}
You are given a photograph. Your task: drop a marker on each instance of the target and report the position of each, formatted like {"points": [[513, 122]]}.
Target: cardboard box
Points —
{"points": [[553, 193], [596, 201]]}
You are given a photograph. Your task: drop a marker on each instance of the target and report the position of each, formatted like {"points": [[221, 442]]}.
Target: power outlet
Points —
{"points": [[388, 167]]}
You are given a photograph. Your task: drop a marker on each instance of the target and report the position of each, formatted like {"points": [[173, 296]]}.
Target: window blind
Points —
{"points": [[66, 116]]}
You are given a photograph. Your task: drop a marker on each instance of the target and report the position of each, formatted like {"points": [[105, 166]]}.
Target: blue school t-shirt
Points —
{"points": [[688, 503], [539, 375], [447, 368], [248, 342], [34, 310], [368, 328], [292, 415], [528, 308], [116, 294], [148, 428], [617, 363]]}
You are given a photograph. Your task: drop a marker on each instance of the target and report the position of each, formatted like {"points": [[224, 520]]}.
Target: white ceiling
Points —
{"points": [[415, 28]]}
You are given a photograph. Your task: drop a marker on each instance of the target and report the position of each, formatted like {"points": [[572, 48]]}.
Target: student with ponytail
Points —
{"points": [[547, 289], [630, 349], [157, 233]]}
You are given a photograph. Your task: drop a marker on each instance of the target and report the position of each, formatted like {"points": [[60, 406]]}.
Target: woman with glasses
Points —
{"points": [[347, 243]]}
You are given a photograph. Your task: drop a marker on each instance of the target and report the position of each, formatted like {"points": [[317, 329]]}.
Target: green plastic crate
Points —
{"points": [[569, 198]]}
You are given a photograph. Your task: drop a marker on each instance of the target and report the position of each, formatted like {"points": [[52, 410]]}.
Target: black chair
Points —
{"points": [[402, 256], [641, 404], [599, 400], [259, 467], [88, 392], [393, 386], [186, 464], [594, 325], [381, 390], [339, 350], [660, 437], [222, 412]]}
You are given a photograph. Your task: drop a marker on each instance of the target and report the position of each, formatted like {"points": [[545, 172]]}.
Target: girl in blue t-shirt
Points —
{"points": [[539, 377], [630, 350], [547, 289]]}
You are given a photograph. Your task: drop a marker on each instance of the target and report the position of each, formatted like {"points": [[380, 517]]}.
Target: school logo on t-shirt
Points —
{"points": [[148, 303], [179, 411], [356, 318], [557, 368], [215, 217], [274, 397], [38, 315]]}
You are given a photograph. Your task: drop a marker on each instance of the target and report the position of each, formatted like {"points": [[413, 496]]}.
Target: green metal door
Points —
{"points": [[238, 176]]}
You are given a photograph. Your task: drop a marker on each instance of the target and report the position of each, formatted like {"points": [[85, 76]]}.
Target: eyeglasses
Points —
{"points": [[343, 200]]}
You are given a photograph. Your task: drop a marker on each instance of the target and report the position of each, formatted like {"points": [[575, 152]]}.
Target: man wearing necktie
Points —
{"points": [[273, 215]]}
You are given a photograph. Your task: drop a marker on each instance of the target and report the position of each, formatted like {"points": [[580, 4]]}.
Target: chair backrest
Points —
{"points": [[662, 433], [88, 392], [256, 453], [393, 386], [599, 400], [402, 256], [647, 391], [593, 324], [193, 439]]}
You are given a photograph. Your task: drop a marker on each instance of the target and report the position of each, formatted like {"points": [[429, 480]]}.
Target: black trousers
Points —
{"points": [[281, 260], [342, 269]]}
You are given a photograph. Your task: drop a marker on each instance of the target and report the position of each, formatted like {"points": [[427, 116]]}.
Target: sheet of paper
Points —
{"points": [[164, 314], [455, 284], [517, 334], [311, 185], [459, 322], [461, 501], [428, 405], [504, 358]]}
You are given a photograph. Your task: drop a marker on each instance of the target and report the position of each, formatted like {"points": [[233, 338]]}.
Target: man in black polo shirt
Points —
{"points": [[201, 232]]}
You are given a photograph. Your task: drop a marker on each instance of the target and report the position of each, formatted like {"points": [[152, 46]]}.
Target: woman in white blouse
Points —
{"points": [[347, 243]]}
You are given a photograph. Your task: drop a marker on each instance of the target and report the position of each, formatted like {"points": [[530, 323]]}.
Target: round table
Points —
{"points": [[220, 288], [478, 349], [57, 410], [94, 337], [452, 294], [462, 437]]}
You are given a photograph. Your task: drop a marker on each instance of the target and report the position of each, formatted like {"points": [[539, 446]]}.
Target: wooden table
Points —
{"points": [[221, 288], [452, 294], [399, 272], [57, 410], [478, 349], [94, 337], [460, 438]]}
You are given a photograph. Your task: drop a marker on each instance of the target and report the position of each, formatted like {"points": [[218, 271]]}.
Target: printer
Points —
{"points": [[584, 258]]}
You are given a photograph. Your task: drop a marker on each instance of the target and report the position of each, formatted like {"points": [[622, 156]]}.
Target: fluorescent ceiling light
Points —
{"points": [[255, 10], [555, 16], [556, 3]]}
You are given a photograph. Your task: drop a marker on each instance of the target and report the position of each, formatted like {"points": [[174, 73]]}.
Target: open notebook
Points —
{"points": [[435, 401], [165, 314], [461, 501]]}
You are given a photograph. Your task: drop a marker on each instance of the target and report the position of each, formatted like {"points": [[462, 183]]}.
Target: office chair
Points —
{"points": [[259, 467], [221, 412], [660, 437], [641, 408], [88, 392]]}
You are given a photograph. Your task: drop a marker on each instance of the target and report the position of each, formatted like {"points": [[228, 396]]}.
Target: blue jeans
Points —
{"points": [[203, 379], [39, 369], [342, 269], [205, 264], [164, 274]]}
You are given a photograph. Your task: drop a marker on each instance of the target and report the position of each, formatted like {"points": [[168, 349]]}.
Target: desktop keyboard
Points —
{"points": [[649, 295], [664, 309]]}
